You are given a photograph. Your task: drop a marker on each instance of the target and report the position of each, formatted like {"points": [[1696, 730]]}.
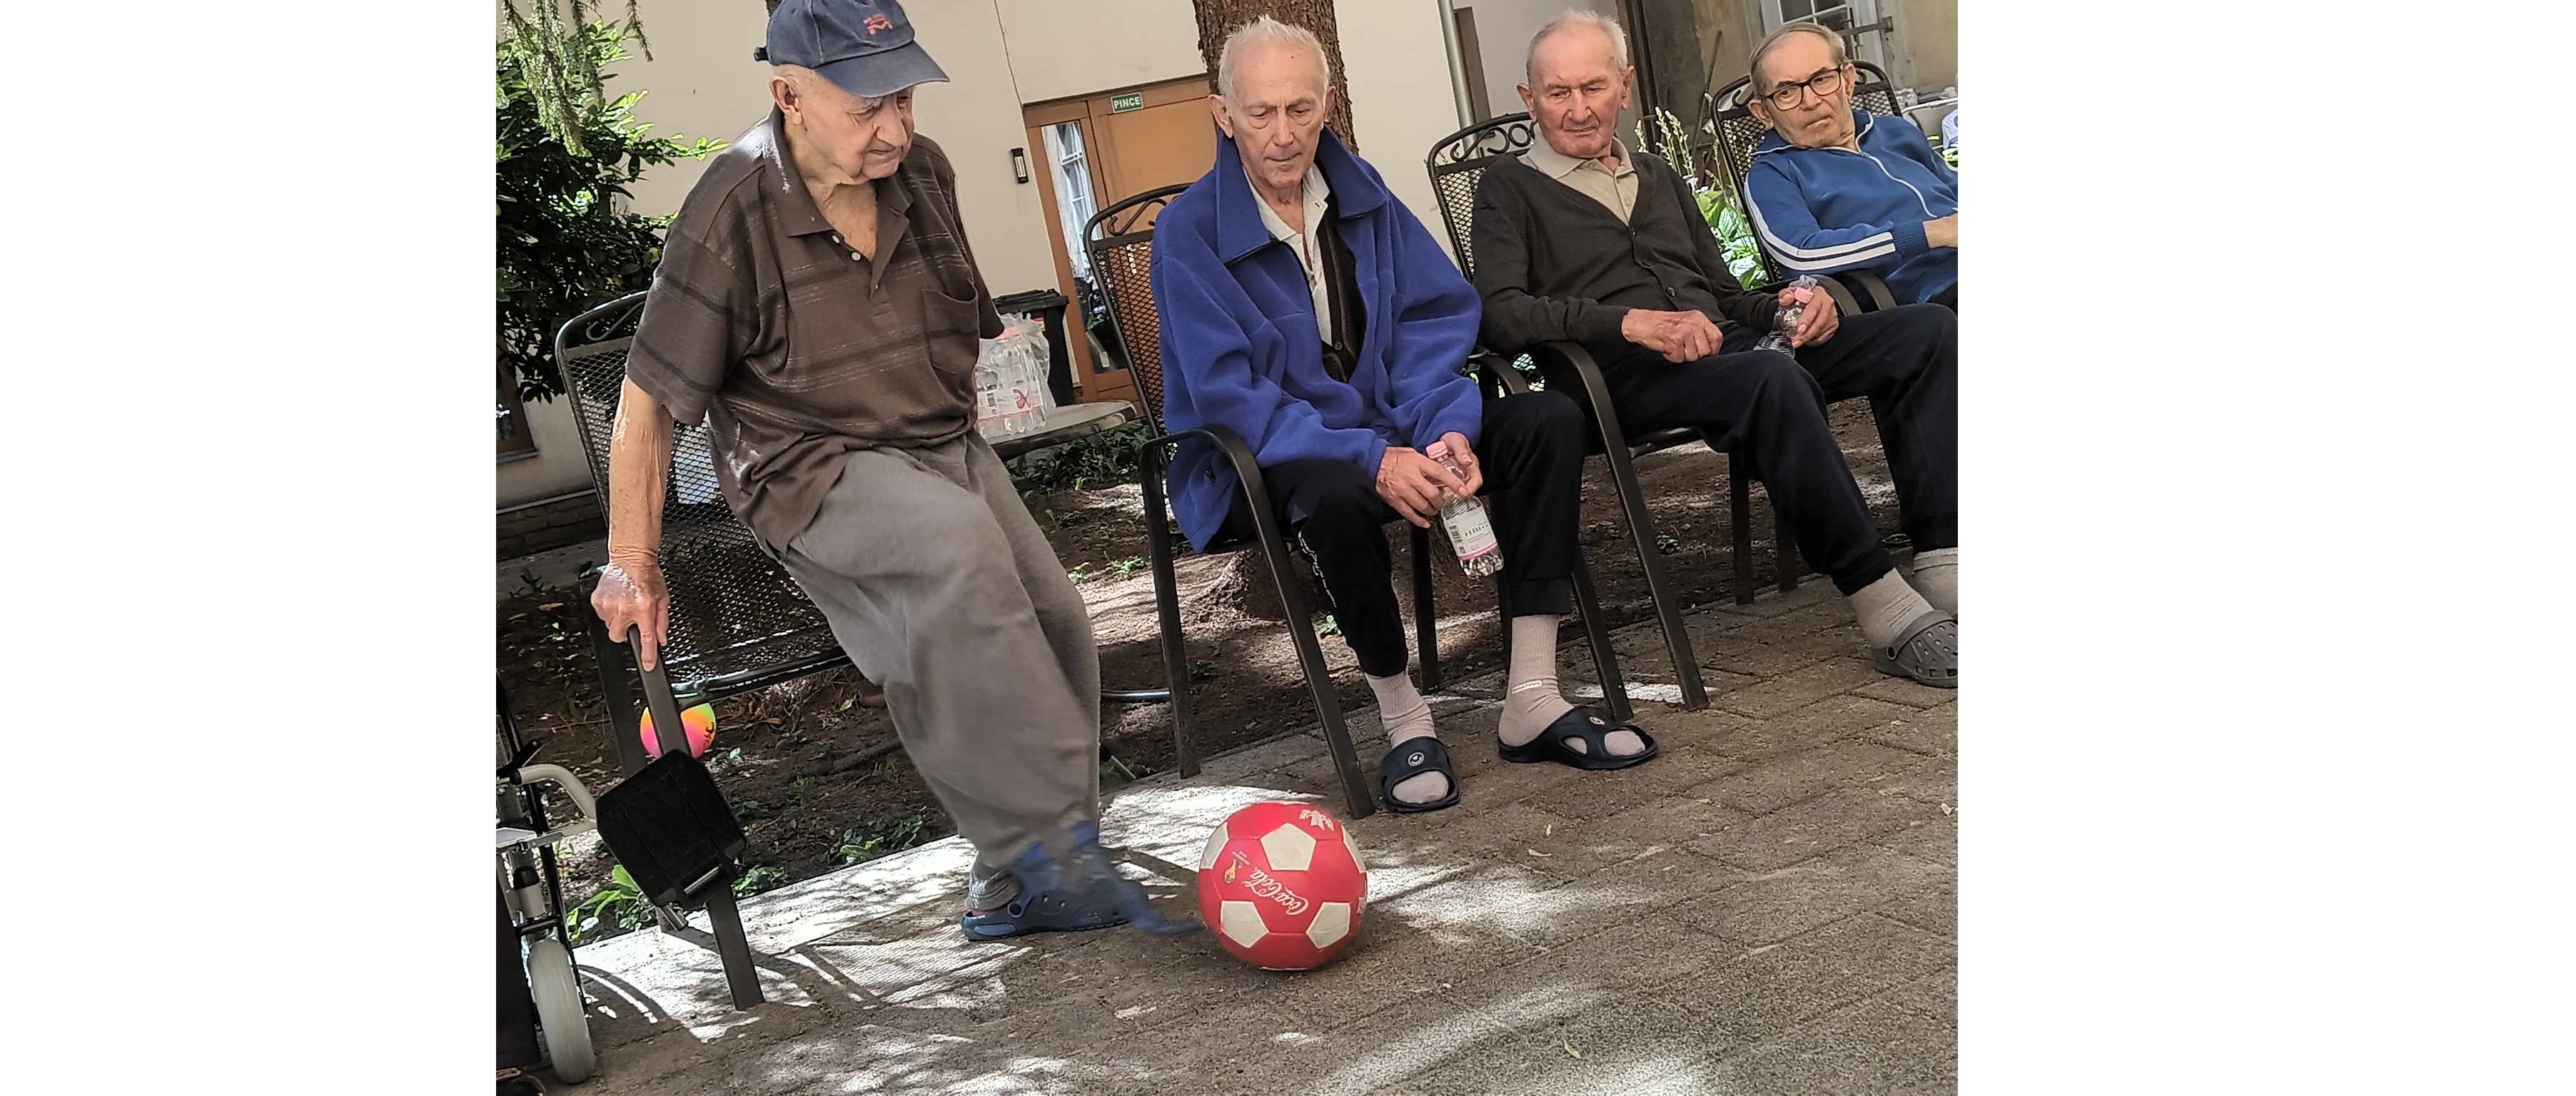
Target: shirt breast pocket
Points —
{"points": [[950, 328]]}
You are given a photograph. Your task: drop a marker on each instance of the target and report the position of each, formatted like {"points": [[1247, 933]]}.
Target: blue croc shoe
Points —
{"points": [[1082, 890], [1042, 911]]}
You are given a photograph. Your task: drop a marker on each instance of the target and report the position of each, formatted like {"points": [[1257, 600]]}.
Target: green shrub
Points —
{"points": [[564, 245]]}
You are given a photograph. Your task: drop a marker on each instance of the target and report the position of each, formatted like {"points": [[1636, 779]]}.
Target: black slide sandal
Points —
{"points": [[1410, 759], [1594, 731]]}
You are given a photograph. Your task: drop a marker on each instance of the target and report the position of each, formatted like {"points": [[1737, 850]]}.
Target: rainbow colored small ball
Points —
{"points": [[698, 724]]}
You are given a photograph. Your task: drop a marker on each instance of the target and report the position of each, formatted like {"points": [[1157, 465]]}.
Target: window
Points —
{"points": [[1073, 197], [1863, 43]]}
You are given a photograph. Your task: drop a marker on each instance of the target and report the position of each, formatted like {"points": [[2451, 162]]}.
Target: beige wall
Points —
{"points": [[1728, 30], [1401, 98], [1927, 44], [1061, 49]]}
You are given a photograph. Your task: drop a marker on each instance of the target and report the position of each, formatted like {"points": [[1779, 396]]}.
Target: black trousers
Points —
{"points": [[1531, 449], [1903, 359]]}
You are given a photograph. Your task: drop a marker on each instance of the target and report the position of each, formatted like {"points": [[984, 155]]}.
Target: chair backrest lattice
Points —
{"points": [[735, 614], [1120, 240], [1458, 161], [1733, 131]]}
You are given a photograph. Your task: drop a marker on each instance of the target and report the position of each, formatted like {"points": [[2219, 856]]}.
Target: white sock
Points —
{"points": [[1407, 717], [1533, 700], [1936, 574], [1885, 607]]}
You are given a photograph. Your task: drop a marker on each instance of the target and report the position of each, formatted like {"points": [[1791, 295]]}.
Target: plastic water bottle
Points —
{"points": [[1471, 531], [1786, 322], [994, 396]]}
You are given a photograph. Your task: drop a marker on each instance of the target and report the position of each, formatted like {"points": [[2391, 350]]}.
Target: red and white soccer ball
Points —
{"points": [[1282, 885]]}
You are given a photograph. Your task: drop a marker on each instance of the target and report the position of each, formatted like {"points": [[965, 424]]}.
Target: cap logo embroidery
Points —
{"points": [[878, 22]]}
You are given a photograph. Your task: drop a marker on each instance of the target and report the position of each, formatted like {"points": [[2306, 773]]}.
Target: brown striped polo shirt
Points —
{"points": [[796, 349]]}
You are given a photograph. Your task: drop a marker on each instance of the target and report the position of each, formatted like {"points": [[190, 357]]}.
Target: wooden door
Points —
{"points": [[1120, 143]]}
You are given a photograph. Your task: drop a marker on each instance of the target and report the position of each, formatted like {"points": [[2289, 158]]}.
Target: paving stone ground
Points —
{"points": [[1768, 907]]}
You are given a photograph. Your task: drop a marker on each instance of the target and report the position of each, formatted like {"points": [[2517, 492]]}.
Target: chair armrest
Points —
{"points": [[1150, 467], [1596, 392], [1867, 283], [1497, 372], [1853, 291]]}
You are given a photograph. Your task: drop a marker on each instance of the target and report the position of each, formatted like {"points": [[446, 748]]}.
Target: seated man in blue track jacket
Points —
{"points": [[1833, 188], [1304, 308]]}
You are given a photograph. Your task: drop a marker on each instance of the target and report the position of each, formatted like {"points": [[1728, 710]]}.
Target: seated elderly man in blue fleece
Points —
{"points": [[1834, 188], [1304, 308]]}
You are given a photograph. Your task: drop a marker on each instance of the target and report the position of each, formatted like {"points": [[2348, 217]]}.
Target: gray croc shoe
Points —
{"points": [[1926, 652]]}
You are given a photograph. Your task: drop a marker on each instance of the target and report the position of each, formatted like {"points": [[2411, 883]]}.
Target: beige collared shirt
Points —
{"points": [[1308, 255], [1616, 190]]}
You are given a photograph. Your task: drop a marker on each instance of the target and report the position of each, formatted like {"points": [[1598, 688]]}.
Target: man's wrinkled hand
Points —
{"points": [[631, 594], [1465, 455], [1820, 319], [1678, 336], [1943, 232], [1411, 484]]}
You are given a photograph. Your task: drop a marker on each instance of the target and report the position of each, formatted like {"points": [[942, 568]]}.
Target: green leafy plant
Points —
{"points": [[760, 877], [1121, 568], [616, 907], [861, 844], [564, 243], [1106, 459], [1716, 205], [545, 37]]}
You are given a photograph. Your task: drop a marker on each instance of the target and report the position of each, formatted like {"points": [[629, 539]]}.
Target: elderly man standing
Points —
{"points": [[1587, 241], [1833, 188], [818, 305], [1305, 309]]}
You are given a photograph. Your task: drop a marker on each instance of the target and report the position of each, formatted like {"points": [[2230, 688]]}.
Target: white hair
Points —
{"points": [[1833, 40], [1579, 17], [1272, 32]]}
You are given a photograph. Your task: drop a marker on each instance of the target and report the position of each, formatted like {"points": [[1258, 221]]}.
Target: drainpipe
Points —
{"points": [[1457, 63]]}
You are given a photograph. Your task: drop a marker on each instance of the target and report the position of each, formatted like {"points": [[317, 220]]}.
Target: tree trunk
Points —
{"points": [[1218, 18]]}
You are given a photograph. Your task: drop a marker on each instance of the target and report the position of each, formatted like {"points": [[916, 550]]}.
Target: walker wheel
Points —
{"points": [[557, 989]]}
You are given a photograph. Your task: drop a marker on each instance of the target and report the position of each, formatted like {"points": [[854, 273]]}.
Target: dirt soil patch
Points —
{"points": [[784, 754]]}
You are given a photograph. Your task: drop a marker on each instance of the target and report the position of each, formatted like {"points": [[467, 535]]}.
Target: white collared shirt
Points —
{"points": [[1616, 189], [1308, 256]]}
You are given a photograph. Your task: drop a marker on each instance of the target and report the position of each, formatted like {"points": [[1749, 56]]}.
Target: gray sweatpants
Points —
{"points": [[943, 591]]}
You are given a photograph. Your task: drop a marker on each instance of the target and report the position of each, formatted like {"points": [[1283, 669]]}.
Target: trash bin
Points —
{"points": [[1048, 306]]}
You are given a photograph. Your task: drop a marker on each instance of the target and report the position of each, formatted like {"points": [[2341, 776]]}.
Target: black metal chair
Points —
{"points": [[1120, 240], [1733, 132], [1456, 164], [738, 621]]}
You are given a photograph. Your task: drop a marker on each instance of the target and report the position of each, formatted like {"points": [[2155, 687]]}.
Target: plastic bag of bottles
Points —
{"points": [[1792, 307], [1011, 395]]}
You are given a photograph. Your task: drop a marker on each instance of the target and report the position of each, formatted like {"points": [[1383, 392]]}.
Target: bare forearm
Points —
{"points": [[639, 466]]}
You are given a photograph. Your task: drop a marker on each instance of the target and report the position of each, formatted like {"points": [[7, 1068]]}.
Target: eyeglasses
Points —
{"points": [[1823, 84]]}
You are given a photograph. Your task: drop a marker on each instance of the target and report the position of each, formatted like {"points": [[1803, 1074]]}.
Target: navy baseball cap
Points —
{"points": [[864, 47]]}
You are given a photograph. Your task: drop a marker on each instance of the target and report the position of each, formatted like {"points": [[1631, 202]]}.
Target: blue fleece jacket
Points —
{"points": [[1239, 339], [1821, 210]]}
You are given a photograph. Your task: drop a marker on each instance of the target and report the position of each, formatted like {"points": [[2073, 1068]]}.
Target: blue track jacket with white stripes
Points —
{"points": [[1821, 210]]}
